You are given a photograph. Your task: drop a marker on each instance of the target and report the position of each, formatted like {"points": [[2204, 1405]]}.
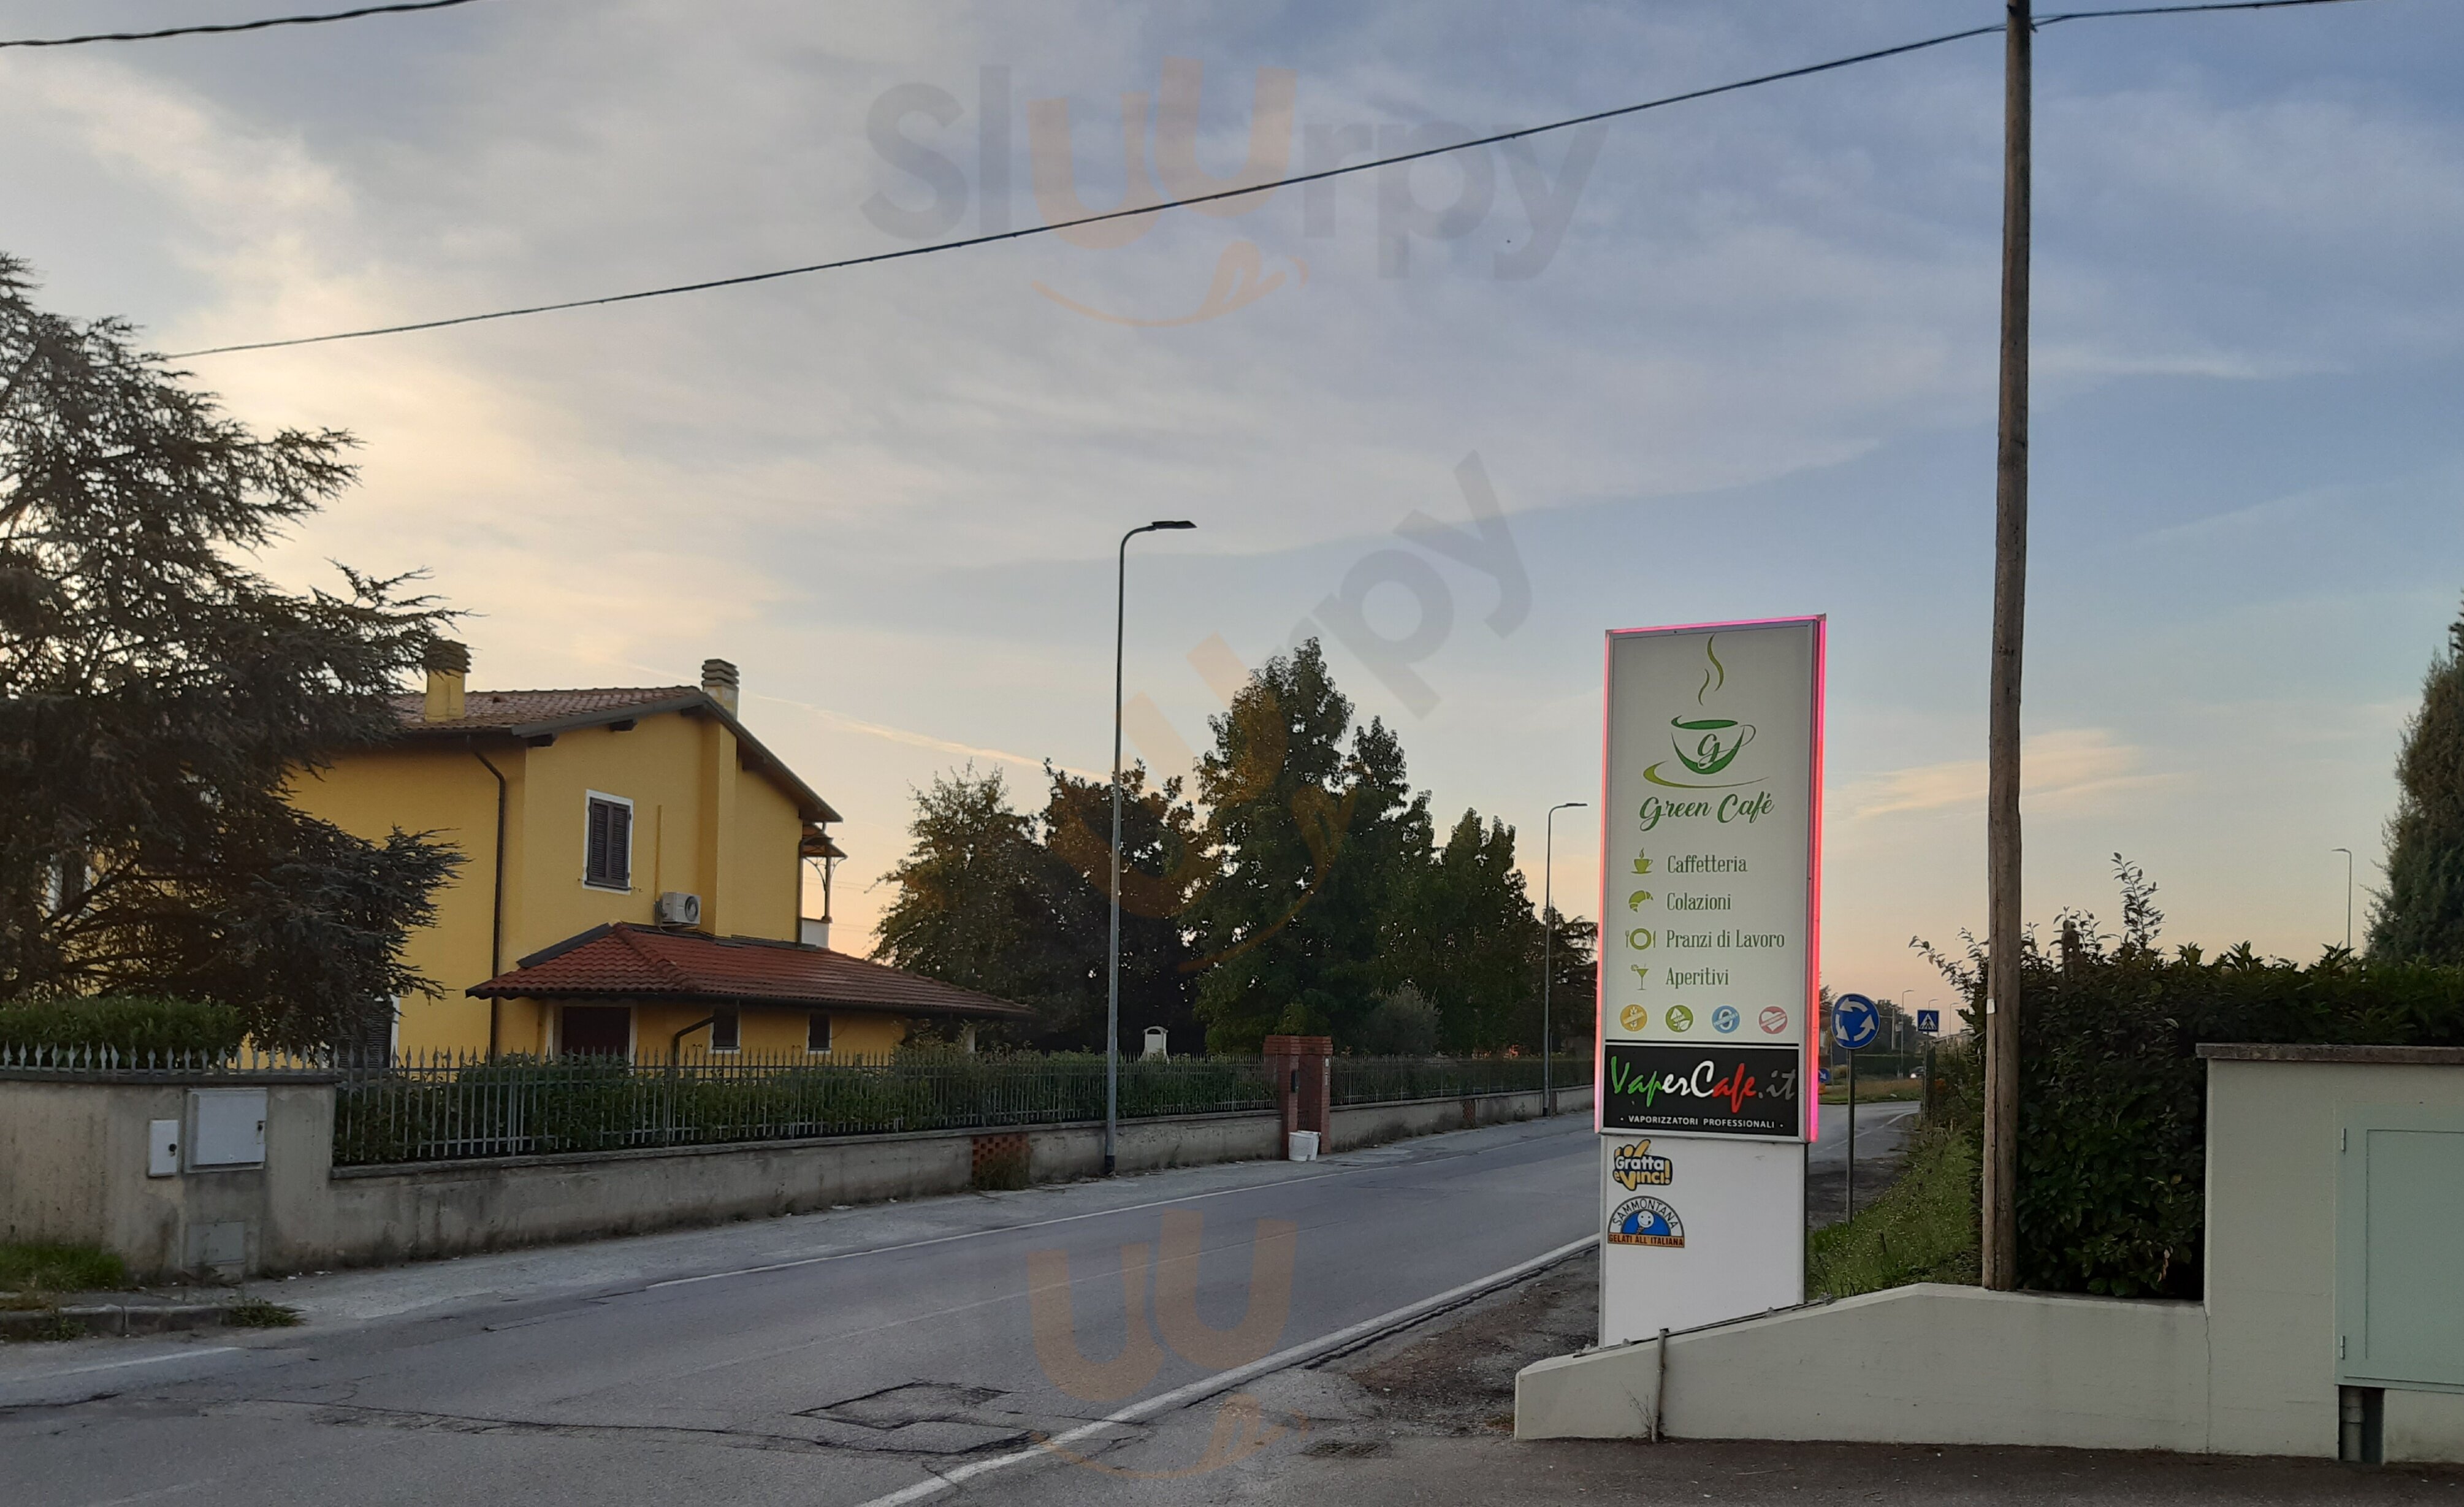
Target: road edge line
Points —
{"points": [[1198, 1391]]}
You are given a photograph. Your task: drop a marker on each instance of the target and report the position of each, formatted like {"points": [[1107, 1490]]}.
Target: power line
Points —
{"points": [[233, 26], [743, 280], [2044, 21]]}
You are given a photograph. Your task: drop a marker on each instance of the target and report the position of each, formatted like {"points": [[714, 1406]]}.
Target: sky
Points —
{"points": [[1730, 358]]}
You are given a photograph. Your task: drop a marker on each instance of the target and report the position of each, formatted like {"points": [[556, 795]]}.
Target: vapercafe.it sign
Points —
{"points": [[1734, 1090], [1711, 818]]}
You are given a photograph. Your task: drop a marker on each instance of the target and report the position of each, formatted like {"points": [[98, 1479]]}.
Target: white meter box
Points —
{"points": [[227, 1127]]}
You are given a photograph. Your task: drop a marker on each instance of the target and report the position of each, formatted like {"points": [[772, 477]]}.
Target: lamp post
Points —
{"points": [[1112, 967], [2348, 895], [1549, 945]]}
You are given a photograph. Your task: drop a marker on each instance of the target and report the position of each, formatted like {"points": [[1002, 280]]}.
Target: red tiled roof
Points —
{"points": [[543, 714], [495, 711], [641, 963]]}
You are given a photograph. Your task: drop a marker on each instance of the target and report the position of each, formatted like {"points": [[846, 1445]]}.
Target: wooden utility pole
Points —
{"points": [[2001, 1232]]}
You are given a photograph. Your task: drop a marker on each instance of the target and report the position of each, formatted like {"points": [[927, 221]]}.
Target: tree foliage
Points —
{"points": [[1308, 899], [156, 696], [1016, 905], [2421, 914], [1314, 823]]}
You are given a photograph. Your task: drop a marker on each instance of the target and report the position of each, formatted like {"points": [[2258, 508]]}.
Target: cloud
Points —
{"points": [[2075, 770]]}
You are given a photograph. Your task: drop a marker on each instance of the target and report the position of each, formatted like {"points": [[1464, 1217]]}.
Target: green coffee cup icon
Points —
{"points": [[1717, 741]]}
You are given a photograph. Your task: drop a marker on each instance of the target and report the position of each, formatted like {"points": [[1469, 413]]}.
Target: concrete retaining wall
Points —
{"points": [[73, 1159], [1374, 1125], [1923, 1365]]}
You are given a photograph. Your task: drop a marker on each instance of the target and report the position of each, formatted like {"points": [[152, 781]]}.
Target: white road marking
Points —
{"points": [[1224, 1381], [114, 1366]]}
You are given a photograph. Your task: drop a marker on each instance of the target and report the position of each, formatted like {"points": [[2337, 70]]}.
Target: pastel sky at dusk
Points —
{"points": [[1730, 358]]}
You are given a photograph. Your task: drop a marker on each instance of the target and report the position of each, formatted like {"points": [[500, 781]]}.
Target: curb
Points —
{"points": [[81, 1320]]}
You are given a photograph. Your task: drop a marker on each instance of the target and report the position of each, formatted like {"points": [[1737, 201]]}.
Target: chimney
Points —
{"points": [[447, 664], [718, 682]]}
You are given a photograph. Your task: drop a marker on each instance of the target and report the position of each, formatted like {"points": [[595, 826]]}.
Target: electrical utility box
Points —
{"points": [[226, 1127], [2400, 1222]]}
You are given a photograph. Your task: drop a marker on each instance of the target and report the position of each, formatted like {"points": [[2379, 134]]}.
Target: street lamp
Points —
{"points": [[1548, 944], [1112, 991], [2348, 895]]}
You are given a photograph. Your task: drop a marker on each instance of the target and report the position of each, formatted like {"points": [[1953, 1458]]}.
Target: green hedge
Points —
{"points": [[2113, 1094], [129, 1023]]}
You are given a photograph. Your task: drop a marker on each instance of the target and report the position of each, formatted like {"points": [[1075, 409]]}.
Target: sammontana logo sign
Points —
{"points": [[1634, 1167]]}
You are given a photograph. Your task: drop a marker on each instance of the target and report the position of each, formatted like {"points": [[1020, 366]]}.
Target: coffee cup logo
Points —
{"points": [[1705, 746], [1721, 739]]}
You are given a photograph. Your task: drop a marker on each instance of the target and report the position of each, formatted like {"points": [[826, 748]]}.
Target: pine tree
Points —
{"points": [[1316, 824], [2420, 915], [157, 698]]}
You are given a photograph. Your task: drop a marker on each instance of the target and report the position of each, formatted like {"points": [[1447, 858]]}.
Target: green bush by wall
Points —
{"points": [[126, 1023], [2113, 1094]]}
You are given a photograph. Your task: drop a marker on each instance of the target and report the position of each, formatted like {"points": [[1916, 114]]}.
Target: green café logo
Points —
{"points": [[1706, 746]]}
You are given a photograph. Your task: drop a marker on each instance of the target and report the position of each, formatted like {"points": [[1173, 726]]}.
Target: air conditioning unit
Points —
{"points": [[677, 908]]}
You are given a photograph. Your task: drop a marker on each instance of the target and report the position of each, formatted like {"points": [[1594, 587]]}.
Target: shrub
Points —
{"points": [[2113, 1094], [126, 1023]]}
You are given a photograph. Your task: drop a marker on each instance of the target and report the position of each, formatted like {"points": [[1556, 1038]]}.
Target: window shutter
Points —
{"points": [[594, 861], [620, 845]]}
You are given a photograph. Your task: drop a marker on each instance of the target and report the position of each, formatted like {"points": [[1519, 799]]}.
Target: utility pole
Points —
{"points": [[2000, 1212]]}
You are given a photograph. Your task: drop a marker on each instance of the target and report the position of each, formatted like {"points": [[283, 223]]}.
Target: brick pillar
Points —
{"points": [[1303, 1068]]}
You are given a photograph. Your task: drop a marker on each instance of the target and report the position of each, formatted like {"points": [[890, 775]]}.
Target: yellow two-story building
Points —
{"points": [[633, 880]]}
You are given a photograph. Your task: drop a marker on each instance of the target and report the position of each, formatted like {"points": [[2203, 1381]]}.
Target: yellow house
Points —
{"points": [[632, 880]]}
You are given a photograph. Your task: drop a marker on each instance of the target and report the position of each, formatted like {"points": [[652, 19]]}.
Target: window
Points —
{"points": [[726, 1031], [608, 844], [817, 1033]]}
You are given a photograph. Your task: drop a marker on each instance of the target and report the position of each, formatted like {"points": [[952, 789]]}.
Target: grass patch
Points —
{"points": [[257, 1312], [1884, 1091], [1922, 1230], [59, 1269]]}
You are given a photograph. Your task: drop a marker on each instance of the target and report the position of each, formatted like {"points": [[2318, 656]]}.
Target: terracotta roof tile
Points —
{"points": [[490, 710], [628, 961]]}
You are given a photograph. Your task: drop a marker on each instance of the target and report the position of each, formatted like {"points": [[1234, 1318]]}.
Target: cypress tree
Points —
{"points": [[2420, 915]]}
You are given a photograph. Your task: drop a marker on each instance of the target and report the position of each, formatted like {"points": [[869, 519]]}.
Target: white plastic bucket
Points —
{"points": [[1300, 1145]]}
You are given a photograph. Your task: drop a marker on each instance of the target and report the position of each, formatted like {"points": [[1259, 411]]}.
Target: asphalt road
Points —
{"points": [[832, 1359]]}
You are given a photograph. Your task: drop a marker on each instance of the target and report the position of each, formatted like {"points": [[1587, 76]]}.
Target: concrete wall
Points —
{"points": [[1374, 1125], [2251, 1369], [72, 1169], [1923, 1365]]}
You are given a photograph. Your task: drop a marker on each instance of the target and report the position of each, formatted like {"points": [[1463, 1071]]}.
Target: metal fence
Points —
{"points": [[448, 1107], [1387, 1080], [90, 1062], [451, 1106]]}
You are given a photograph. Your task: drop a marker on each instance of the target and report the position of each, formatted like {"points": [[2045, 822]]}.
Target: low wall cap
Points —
{"points": [[2294, 1052]]}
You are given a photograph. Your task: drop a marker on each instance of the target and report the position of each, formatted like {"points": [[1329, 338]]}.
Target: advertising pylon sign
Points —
{"points": [[1705, 1098]]}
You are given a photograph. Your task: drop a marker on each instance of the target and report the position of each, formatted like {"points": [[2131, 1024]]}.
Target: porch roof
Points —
{"points": [[626, 961]]}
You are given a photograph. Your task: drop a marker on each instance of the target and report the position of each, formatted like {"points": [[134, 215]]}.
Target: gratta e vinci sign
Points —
{"points": [[1711, 795]]}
